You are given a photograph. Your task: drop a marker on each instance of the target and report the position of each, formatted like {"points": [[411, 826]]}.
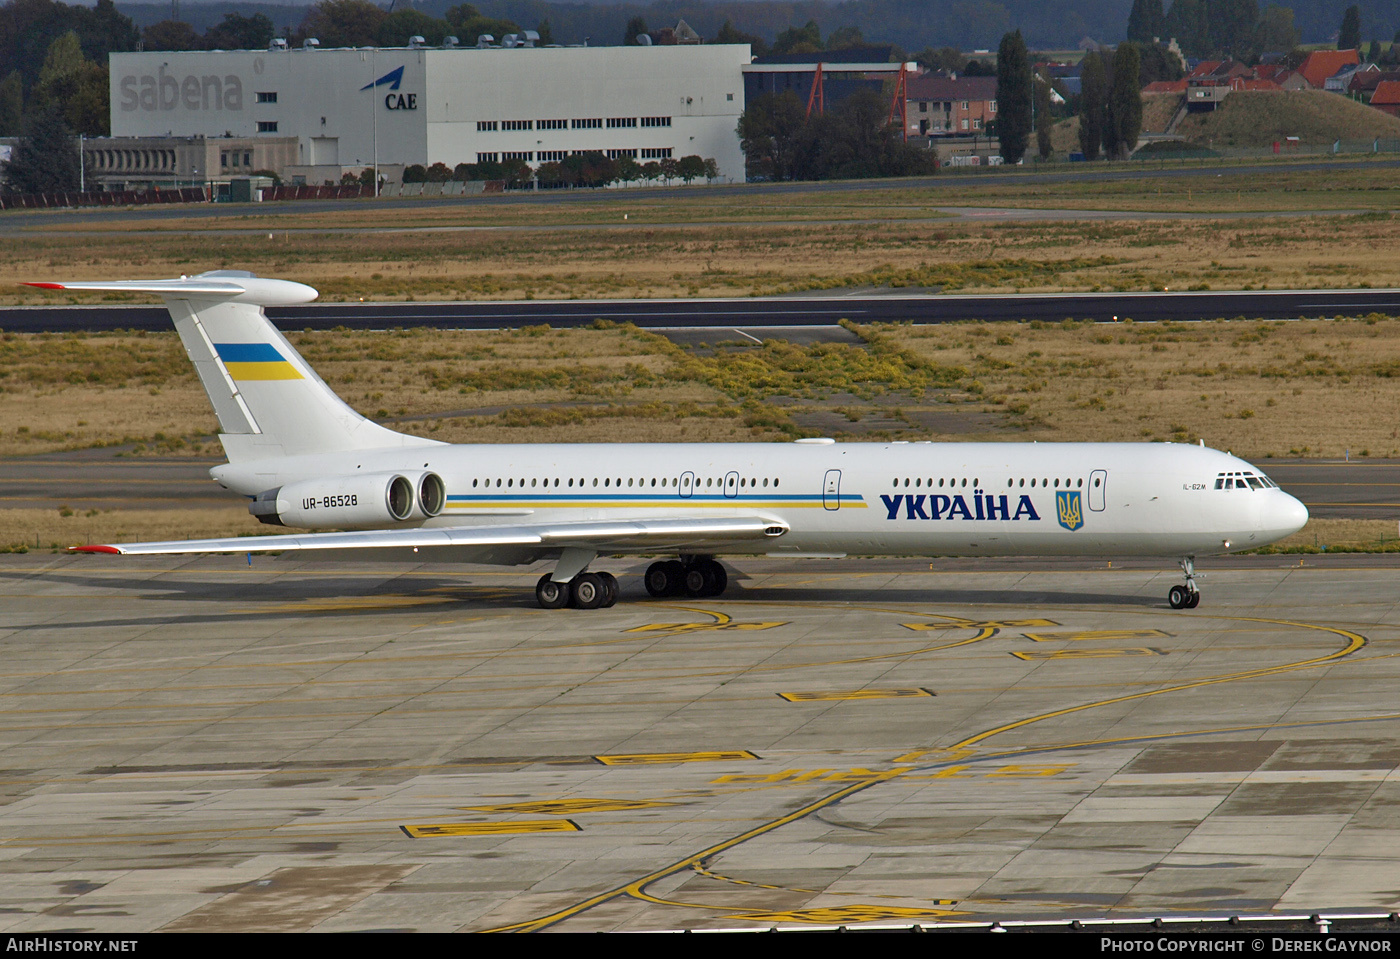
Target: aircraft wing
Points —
{"points": [[599, 535]]}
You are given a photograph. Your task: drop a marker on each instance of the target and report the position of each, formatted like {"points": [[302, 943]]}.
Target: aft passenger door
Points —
{"points": [[1098, 483], [831, 490], [731, 485], [687, 485]]}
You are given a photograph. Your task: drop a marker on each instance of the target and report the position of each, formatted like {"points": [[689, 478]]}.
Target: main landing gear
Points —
{"points": [[697, 578], [584, 591], [1187, 596]]}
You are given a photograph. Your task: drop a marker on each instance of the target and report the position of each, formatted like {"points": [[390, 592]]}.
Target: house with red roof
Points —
{"points": [[1322, 64], [942, 106], [1387, 97]]}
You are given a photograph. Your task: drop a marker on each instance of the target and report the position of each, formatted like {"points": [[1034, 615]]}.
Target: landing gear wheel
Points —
{"points": [[676, 570], [699, 580], [1179, 597], [551, 595], [705, 577], [721, 578], [587, 591], [662, 580], [610, 587], [1195, 600]]}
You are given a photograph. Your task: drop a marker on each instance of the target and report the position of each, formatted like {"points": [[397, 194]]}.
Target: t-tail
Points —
{"points": [[269, 401]]}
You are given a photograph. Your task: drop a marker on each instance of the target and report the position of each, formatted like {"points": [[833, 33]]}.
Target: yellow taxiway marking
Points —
{"points": [[490, 828], [637, 887], [645, 759], [698, 627], [857, 694], [841, 915], [954, 623], [1117, 635], [1355, 641], [1088, 653], [570, 807]]}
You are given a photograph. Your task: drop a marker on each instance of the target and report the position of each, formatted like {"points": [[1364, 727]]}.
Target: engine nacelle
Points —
{"points": [[359, 501]]}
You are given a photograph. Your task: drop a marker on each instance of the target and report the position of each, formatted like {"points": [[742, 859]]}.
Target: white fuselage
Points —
{"points": [[912, 499]]}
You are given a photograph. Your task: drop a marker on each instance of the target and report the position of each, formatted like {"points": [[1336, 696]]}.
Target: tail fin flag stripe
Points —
{"points": [[256, 361], [249, 353]]}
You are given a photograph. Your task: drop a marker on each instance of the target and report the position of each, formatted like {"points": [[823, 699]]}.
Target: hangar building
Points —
{"points": [[354, 107]]}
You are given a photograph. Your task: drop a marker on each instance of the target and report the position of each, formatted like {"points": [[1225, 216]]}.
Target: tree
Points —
{"points": [[546, 32], [728, 34], [944, 58], [74, 86], [11, 104], [844, 38], [691, 168], [236, 32], [1044, 119], [1093, 80], [807, 39], [1275, 32], [1157, 63], [1189, 22], [171, 35], [768, 130], [103, 30], [856, 141], [1146, 21], [1125, 100], [1014, 94], [343, 23], [45, 160], [635, 28], [1350, 36], [402, 24], [467, 24], [628, 170]]}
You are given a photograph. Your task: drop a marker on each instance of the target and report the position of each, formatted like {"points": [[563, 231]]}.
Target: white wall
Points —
{"points": [[700, 88], [441, 94]]}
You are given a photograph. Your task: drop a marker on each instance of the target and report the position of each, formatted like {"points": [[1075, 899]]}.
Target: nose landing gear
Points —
{"points": [[1186, 596]]}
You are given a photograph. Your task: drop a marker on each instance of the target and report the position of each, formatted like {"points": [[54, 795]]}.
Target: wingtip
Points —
{"points": [[94, 549], [48, 286]]}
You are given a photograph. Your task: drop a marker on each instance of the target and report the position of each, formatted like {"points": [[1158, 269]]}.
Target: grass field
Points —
{"points": [[1296, 251], [1253, 387]]}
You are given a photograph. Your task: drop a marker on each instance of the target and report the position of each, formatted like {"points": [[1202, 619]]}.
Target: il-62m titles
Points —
{"points": [[305, 459]]}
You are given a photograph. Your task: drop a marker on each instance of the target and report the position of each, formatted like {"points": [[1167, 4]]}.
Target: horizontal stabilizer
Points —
{"points": [[231, 285], [598, 535]]}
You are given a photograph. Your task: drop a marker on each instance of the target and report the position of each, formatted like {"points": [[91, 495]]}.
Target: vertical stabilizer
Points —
{"points": [[269, 402]]}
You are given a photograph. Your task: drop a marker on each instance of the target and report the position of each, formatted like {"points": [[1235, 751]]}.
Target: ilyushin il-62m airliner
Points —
{"points": [[307, 460]]}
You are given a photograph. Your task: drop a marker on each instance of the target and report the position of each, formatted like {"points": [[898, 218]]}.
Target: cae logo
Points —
{"points": [[394, 101]]}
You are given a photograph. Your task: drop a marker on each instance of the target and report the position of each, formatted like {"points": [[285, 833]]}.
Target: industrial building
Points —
{"points": [[347, 109]]}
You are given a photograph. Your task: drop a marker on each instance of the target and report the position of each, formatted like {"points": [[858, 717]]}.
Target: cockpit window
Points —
{"points": [[1243, 480]]}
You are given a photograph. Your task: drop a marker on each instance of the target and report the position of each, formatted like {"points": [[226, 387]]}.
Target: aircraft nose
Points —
{"points": [[1287, 514]]}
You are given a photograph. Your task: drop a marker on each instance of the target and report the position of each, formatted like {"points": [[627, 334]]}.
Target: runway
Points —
{"points": [[752, 314], [208, 745]]}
